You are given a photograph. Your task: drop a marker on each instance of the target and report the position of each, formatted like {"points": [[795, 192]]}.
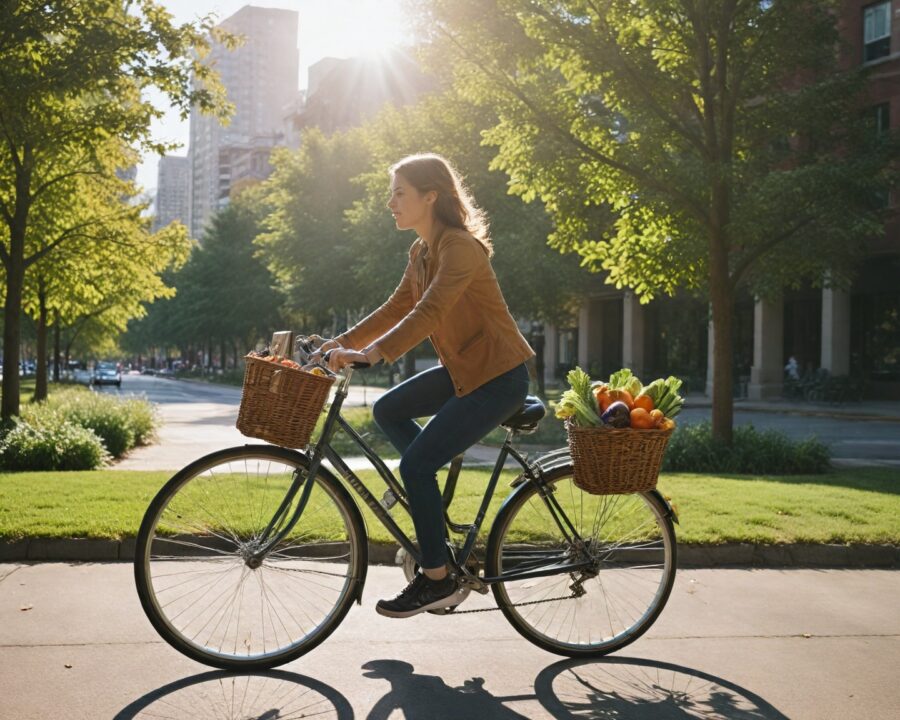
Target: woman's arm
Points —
{"points": [[384, 318]]}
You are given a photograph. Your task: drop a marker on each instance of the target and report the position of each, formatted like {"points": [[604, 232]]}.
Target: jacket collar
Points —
{"points": [[438, 231]]}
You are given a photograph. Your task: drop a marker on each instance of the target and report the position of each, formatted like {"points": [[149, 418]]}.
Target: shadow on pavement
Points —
{"points": [[263, 695], [637, 689], [428, 697]]}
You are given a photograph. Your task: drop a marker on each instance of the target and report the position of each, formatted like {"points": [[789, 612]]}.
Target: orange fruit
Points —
{"points": [[623, 396], [641, 420], [644, 401]]}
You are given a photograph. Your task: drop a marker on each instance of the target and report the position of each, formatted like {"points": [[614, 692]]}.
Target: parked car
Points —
{"points": [[107, 374]]}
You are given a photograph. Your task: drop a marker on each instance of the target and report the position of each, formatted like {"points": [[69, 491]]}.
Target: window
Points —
{"points": [[876, 31]]}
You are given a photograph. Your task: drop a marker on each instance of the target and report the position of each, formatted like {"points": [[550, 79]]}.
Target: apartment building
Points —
{"points": [[260, 77], [173, 192]]}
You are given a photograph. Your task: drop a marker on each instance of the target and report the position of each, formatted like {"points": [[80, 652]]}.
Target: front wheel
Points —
{"points": [[599, 573], [201, 585]]}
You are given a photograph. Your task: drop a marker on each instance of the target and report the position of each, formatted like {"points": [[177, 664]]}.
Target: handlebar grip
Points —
{"points": [[360, 365]]}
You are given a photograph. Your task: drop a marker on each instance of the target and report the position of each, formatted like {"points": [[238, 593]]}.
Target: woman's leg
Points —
{"points": [[457, 425], [420, 396]]}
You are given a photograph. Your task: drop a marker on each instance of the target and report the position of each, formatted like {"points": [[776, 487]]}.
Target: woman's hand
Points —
{"points": [[339, 358]]}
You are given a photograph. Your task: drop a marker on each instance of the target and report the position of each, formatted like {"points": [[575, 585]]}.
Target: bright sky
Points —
{"points": [[327, 28]]}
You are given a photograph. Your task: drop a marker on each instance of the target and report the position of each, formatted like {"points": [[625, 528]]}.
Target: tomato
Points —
{"points": [[644, 401]]}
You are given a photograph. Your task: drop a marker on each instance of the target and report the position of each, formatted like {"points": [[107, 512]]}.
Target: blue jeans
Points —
{"points": [[456, 425]]}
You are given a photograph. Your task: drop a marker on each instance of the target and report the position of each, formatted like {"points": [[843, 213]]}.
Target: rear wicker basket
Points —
{"points": [[281, 404], [608, 461]]}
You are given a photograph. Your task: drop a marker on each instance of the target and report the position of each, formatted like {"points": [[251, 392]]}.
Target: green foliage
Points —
{"points": [[76, 110], [121, 424], [225, 293], [692, 448], [57, 445], [614, 115], [306, 245]]}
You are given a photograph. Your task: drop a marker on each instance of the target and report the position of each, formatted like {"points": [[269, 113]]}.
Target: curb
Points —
{"points": [[689, 556]]}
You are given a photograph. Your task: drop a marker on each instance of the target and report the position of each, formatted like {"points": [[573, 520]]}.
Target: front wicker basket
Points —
{"points": [[281, 404], [609, 461]]}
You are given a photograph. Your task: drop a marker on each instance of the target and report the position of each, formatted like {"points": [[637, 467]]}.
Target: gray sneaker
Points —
{"points": [[422, 594]]}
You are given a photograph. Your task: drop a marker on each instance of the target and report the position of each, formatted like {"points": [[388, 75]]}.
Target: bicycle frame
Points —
{"points": [[322, 450]]}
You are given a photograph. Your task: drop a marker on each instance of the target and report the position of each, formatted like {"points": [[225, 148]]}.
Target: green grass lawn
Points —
{"points": [[858, 506]]}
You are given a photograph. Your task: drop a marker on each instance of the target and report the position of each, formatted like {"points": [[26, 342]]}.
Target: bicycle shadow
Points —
{"points": [[263, 695], [428, 697], [636, 689]]}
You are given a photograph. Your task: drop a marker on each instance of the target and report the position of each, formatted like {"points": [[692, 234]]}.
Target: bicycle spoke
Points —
{"points": [[215, 593], [611, 583]]}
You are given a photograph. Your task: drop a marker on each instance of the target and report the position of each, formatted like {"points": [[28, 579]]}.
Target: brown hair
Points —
{"points": [[454, 206]]}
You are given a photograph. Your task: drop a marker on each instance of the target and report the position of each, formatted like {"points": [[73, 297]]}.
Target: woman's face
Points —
{"points": [[411, 209]]}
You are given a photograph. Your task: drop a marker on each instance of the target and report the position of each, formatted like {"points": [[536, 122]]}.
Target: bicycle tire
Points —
{"points": [[630, 541], [191, 560]]}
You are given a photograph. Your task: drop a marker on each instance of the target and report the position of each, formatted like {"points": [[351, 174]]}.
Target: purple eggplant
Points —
{"points": [[617, 415]]}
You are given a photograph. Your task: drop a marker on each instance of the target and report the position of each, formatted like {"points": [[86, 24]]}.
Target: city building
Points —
{"points": [[260, 77], [854, 332], [173, 192], [343, 93]]}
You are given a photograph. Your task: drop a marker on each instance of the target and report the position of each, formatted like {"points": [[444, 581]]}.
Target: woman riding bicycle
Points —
{"points": [[449, 293]]}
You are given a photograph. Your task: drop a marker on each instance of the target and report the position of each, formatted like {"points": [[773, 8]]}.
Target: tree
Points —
{"points": [[73, 76], [304, 242], [105, 270], [707, 144]]}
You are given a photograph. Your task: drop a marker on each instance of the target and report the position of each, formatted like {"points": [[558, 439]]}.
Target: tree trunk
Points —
{"points": [[15, 281], [40, 380], [56, 347], [722, 302], [12, 331]]}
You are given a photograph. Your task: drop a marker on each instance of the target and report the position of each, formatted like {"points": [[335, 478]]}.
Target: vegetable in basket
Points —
{"points": [[664, 394], [617, 415], [578, 402]]}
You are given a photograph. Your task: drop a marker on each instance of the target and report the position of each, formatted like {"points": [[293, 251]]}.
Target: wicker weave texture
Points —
{"points": [[281, 404], [609, 461]]}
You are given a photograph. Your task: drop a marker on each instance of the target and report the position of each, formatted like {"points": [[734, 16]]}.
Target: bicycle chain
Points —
{"points": [[523, 604]]}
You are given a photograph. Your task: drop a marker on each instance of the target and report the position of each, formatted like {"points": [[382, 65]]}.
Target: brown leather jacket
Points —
{"points": [[449, 293]]}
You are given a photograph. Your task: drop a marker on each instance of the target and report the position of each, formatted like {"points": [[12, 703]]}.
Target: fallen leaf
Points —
{"points": [[25, 608]]}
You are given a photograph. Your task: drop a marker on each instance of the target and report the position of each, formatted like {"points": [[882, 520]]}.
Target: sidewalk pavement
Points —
{"points": [[763, 644]]}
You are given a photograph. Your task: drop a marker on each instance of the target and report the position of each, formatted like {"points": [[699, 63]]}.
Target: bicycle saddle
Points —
{"points": [[528, 416]]}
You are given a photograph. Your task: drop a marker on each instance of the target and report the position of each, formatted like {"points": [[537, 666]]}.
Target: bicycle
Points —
{"points": [[251, 556]]}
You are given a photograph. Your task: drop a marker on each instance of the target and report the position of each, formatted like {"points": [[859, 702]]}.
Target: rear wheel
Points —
{"points": [[605, 586], [202, 588]]}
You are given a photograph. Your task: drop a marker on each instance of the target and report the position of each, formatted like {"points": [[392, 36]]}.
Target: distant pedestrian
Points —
{"points": [[792, 369]]}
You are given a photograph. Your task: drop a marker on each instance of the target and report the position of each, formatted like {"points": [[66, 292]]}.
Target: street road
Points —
{"points": [[199, 418]]}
